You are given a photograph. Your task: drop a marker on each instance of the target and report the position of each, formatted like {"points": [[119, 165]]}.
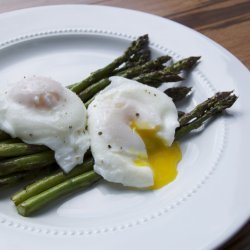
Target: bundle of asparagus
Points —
{"points": [[21, 161]]}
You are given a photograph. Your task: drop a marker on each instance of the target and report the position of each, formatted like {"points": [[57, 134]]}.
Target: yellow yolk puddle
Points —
{"points": [[162, 159]]}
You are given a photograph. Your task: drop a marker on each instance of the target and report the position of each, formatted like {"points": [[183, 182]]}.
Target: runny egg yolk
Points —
{"points": [[161, 158]]}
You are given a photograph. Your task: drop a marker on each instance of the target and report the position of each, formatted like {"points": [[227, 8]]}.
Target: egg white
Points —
{"points": [[114, 144], [59, 122]]}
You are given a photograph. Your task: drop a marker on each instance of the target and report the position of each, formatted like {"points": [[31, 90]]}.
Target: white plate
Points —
{"points": [[209, 200]]}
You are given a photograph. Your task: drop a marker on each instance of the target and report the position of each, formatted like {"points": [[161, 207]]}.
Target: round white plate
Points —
{"points": [[209, 200]]}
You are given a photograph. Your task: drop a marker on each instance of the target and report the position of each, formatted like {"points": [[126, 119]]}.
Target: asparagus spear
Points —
{"points": [[15, 178], [17, 149], [50, 181], [177, 93], [200, 109], [139, 58], [156, 78], [219, 102], [107, 70], [92, 90], [184, 64], [36, 202], [150, 66], [24, 163], [153, 65]]}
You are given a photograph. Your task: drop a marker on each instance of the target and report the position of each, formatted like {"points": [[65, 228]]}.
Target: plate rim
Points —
{"points": [[243, 221], [177, 201]]}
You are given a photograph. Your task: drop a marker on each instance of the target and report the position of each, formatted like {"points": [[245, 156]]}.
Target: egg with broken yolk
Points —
{"points": [[132, 128]]}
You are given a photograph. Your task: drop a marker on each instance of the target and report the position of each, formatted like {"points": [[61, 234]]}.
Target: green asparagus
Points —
{"points": [[13, 179], [156, 78], [200, 109], [108, 70], [24, 163], [34, 203], [184, 64], [204, 111], [92, 90], [19, 149], [139, 58], [50, 181], [177, 93], [153, 65]]}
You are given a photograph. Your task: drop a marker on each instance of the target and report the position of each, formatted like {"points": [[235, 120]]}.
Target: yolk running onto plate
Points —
{"points": [[162, 159]]}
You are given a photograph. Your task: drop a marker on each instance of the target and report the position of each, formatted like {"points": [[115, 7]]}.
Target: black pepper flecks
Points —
{"points": [[30, 135], [70, 127], [109, 146], [99, 133], [137, 114]]}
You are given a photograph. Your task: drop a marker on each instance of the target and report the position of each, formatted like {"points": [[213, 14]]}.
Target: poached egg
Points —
{"points": [[41, 111], [132, 129]]}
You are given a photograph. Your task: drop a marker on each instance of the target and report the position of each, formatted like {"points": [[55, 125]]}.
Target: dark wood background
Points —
{"points": [[226, 22]]}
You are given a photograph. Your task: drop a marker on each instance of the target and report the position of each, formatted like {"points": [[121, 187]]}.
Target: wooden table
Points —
{"points": [[226, 22]]}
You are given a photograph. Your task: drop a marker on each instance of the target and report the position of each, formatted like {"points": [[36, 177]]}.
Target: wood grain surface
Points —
{"points": [[226, 22]]}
